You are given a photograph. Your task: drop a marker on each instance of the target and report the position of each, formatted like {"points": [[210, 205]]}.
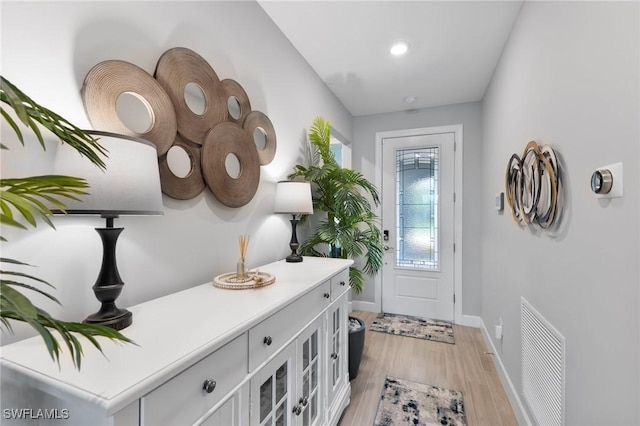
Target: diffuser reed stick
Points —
{"points": [[244, 244], [243, 241]]}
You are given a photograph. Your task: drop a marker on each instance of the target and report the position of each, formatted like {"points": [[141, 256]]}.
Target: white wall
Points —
{"points": [[569, 77], [469, 115], [48, 48]]}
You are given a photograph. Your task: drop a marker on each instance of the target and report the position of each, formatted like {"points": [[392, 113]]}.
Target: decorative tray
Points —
{"points": [[231, 281]]}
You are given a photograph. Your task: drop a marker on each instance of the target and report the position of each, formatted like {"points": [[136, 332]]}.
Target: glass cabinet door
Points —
{"points": [[309, 400], [288, 390], [336, 337], [336, 340], [271, 391]]}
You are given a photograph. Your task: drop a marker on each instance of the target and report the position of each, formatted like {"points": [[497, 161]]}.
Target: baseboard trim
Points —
{"points": [[470, 321], [359, 305], [512, 394]]}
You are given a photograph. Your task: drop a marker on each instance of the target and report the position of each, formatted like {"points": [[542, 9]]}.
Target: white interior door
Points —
{"points": [[418, 225]]}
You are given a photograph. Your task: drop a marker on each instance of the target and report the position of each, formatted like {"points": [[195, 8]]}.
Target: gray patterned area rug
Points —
{"points": [[402, 325], [404, 402]]}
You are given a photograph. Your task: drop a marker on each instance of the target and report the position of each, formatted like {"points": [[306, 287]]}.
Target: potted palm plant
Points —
{"points": [[24, 201], [348, 227]]}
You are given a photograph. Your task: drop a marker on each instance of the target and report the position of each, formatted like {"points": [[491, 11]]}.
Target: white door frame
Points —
{"points": [[457, 223]]}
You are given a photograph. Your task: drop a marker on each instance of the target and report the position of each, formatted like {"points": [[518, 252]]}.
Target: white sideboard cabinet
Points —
{"points": [[273, 356]]}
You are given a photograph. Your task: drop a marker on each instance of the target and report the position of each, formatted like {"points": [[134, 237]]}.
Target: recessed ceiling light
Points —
{"points": [[410, 99], [399, 48]]}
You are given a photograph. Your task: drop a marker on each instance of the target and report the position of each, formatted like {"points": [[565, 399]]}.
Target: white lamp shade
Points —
{"points": [[130, 185], [293, 197]]}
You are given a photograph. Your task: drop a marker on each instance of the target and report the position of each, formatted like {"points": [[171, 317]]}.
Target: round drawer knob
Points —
{"points": [[268, 340], [209, 385], [327, 295], [342, 283]]}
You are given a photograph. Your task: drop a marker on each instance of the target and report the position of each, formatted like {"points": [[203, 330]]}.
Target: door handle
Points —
{"points": [[387, 248]]}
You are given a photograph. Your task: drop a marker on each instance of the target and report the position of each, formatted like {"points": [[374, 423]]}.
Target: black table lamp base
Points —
{"points": [[118, 319], [109, 284], [294, 256]]}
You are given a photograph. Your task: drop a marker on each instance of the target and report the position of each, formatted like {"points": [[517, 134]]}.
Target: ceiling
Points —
{"points": [[454, 47]]}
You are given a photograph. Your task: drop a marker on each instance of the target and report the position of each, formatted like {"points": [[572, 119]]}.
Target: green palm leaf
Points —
{"points": [[32, 115], [356, 279], [28, 197], [29, 287], [320, 136], [17, 302], [67, 331]]}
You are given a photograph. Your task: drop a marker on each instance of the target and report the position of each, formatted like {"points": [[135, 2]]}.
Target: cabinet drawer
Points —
{"points": [[269, 336], [339, 284], [183, 399]]}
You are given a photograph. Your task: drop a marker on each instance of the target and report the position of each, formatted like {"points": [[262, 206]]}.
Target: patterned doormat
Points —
{"points": [[404, 402], [402, 325]]}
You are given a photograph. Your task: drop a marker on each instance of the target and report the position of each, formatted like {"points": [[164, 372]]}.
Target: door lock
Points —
{"points": [[385, 235]]}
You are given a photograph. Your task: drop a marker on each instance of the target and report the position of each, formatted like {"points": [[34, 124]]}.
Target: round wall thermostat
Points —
{"points": [[601, 181]]}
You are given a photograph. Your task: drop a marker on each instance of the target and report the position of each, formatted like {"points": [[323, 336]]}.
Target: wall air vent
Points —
{"points": [[543, 367]]}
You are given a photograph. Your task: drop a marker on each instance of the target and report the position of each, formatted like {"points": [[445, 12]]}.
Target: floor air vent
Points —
{"points": [[543, 367]]}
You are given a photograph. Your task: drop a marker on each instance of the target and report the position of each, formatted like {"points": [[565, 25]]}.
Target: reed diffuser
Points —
{"points": [[241, 270]]}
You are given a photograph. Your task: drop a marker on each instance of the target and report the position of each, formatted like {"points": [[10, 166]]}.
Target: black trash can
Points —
{"points": [[356, 346]]}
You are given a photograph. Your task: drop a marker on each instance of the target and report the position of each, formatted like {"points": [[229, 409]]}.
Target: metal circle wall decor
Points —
{"points": [[532, 185], [232, 89], [224, 139], [190, 108], [182, 188], [177, 68], [107, 81], [258, 120]]}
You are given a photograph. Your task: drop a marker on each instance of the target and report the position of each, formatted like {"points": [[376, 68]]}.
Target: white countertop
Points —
{"points": [[171, 332]]}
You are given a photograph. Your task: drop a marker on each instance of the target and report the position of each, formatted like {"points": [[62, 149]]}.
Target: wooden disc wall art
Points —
{"points": [[111, 84], [232, 188], [182, 187], [236, 101], [200, 109], [190, 108], [532, 186], [258, 125]]}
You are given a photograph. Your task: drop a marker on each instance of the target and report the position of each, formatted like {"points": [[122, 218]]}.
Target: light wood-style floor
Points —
{"points": [[464, 367]]}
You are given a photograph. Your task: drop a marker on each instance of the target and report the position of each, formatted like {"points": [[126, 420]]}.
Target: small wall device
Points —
{"points": [[500, 201], [601, 181], [606, 181]]}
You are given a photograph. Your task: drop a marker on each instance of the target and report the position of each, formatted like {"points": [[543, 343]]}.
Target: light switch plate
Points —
{"points": [[500, 201]]}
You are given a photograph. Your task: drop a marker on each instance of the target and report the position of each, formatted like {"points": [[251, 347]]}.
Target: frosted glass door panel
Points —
{"points": [[417, 224]]}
